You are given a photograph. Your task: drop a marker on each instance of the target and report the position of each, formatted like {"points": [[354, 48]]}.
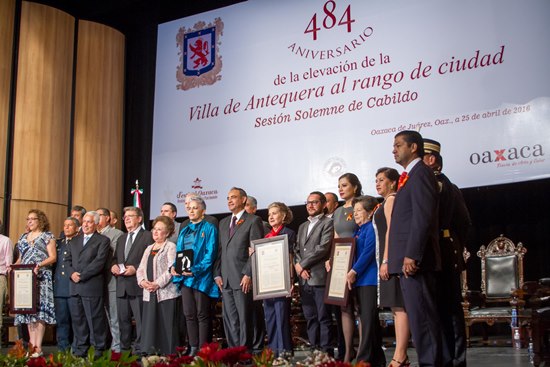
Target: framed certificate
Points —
{"points": [[270, 268], [24, 294], [336, 290]]}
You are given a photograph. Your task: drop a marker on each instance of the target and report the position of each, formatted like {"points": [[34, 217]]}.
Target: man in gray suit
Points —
{"points": [[128, 253], [104, 228], [232, 271], [311, 250], [85, 262]]}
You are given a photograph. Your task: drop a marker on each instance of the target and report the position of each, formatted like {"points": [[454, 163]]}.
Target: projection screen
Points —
{"points": [[282, 97]]}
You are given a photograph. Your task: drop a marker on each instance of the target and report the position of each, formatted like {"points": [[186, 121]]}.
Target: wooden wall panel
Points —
{"points": [[42, 110], [7, 13], [98, 124], [56, 214]]}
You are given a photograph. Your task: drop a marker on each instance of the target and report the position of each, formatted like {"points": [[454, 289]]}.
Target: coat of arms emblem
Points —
{"points": [[200, 60]]}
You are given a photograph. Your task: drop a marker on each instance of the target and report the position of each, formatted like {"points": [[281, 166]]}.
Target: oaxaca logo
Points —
{"points": [[200, 62], [197, 184], [205, 193], [511, 155]]}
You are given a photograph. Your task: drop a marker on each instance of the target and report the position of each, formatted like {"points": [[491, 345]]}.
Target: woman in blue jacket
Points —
{"points": [[200, 238], [363, 276]]}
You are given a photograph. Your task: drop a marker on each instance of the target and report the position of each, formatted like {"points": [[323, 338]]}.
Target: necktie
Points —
{"points": [[86, 238], [402, 180], [232, 226], [128, 245]]}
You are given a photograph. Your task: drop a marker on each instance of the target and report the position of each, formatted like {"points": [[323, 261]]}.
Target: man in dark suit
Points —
{"points": [[85, 262], [232, 271], [311, 250], [454, 223], [128, 253], [414, 245], [335, 310], [258, 321]]}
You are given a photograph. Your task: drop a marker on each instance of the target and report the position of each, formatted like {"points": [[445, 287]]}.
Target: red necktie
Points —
{"points": [[402, 180]]}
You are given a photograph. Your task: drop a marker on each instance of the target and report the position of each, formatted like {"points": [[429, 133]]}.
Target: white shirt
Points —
{"points": [[312, 222]]}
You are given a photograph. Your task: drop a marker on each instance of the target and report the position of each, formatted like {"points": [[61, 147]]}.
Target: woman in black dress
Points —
{"points": [[390, 291], [159, 333]]}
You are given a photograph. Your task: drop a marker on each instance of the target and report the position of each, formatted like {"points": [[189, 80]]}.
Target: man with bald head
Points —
{"points": [[85, 262]]}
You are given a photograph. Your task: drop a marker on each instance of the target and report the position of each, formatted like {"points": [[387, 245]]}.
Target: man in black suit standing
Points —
{"points": [[85, 261], [311, 250], [128, 253], [454, 223], [414, 245], [233, 272]]}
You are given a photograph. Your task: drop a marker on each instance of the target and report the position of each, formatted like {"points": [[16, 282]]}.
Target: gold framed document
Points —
{"points": [[24, 294], [270, 268], [336, 290]]}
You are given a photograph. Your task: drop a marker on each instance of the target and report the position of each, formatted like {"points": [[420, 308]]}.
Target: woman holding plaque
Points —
{"points": [[277, 310], [390, 290], [363, 277], [349, 188], [198, 246], [159, 333], [37, 247]]}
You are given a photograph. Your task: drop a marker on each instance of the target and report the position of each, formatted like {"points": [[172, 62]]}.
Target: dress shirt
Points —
{"points": [[412, 164], [6, 254], [238, 215], [312, 222]]}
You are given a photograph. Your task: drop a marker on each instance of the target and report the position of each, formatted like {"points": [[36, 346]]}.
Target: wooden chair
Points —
{"points": [[501, 287]]}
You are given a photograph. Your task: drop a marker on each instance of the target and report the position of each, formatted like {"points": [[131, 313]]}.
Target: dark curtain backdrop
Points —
{"points": [[519, 211]]}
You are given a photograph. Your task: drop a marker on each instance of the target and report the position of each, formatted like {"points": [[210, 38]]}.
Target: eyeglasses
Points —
{"points": [[129, 216], [313, 202], [29, 218]]}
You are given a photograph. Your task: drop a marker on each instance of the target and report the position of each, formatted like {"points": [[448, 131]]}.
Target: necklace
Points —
{"points": [[31, 241]]}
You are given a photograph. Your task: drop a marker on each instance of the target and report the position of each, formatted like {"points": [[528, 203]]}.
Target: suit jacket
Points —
{"points": [[61, 278], [414, 223], [89, 261], [454, 224], [312, 251], [233, 260], [174, 237], [127, 285], [113, 234]]}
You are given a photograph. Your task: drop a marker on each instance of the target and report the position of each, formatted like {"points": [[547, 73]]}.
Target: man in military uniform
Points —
{"points": [[454, 223], [61, 283]]}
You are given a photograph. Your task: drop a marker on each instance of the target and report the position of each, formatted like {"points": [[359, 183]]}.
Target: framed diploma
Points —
{"points": [[336, 290], [24, 294], [270, 268]]}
